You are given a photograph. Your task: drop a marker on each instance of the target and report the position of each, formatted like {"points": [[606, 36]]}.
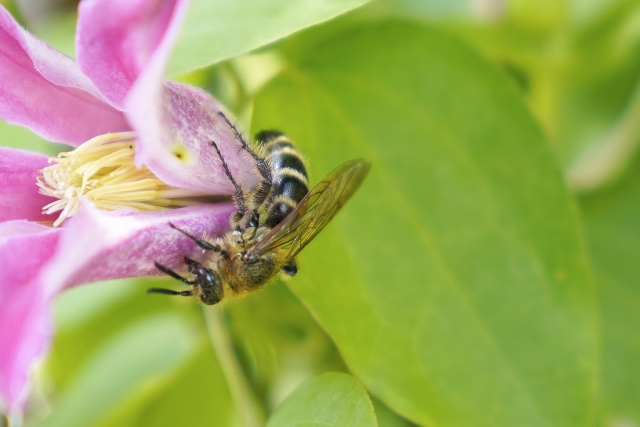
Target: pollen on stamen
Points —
{"points": [[102, 170]]}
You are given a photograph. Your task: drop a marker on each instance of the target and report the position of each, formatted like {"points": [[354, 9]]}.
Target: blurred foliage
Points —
{"points": [[415, 299], [133, 356], [611, 222], [22, 138], [471, 282], [223, 29], [331, 399], [577, 68]]}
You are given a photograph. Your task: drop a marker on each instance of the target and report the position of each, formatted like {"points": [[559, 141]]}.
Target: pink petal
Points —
{"points": [[117, 38], [44, 90], [182, 121], [124, 47], [19, 196], [25, 326], [99, 245], [37, 262]]}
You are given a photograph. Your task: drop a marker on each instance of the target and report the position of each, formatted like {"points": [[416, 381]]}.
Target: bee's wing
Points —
{"points": [[315, 210]]}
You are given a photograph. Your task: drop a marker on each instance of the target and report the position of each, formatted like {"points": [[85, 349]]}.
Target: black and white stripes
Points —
{"points": [[289, 176]]}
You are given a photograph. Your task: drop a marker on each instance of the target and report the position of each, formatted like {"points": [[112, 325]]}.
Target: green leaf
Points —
{"points": [[137, 358], [455, 284], [222, 29], [387, 418], [188, 387], [613, 230], [195, 395], [22, 138], [330, 399], [428, 10], [89, 317]]}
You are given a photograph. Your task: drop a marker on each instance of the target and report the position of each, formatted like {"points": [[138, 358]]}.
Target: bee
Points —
{"points": [[280, 217]]}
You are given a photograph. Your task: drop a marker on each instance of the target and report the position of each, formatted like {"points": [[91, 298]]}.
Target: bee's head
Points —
{"points": [[208, 286]]}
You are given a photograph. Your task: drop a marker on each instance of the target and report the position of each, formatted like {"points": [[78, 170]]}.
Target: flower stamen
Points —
{"points": [[103, 171]]}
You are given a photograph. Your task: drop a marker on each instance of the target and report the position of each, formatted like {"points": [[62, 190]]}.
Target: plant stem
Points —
{"points": [[11, 421], [250, 413]]}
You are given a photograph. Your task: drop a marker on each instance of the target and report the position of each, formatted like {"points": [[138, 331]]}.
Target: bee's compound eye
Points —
{"points": [[254, 221], [209, 277]]}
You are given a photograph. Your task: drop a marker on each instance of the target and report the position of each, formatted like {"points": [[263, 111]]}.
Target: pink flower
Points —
{"points": [[115, 98]]}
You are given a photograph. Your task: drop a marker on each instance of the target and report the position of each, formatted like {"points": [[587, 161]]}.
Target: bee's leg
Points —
{"points": [[261, 193], [203, 244], [239, 196], [290, 268]]}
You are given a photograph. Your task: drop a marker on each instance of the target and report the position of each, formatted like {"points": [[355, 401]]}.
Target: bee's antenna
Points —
{"points": [[168, 292]]}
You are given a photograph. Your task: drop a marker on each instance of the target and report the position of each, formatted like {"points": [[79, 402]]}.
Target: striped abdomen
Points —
{"points": [[289, 182]]}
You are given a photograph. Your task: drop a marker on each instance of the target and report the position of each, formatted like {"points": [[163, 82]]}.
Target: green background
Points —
{"points": [[486, 272]]}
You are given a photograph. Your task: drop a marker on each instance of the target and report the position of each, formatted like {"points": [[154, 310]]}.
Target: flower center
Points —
{"points": [[103, 171]]}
